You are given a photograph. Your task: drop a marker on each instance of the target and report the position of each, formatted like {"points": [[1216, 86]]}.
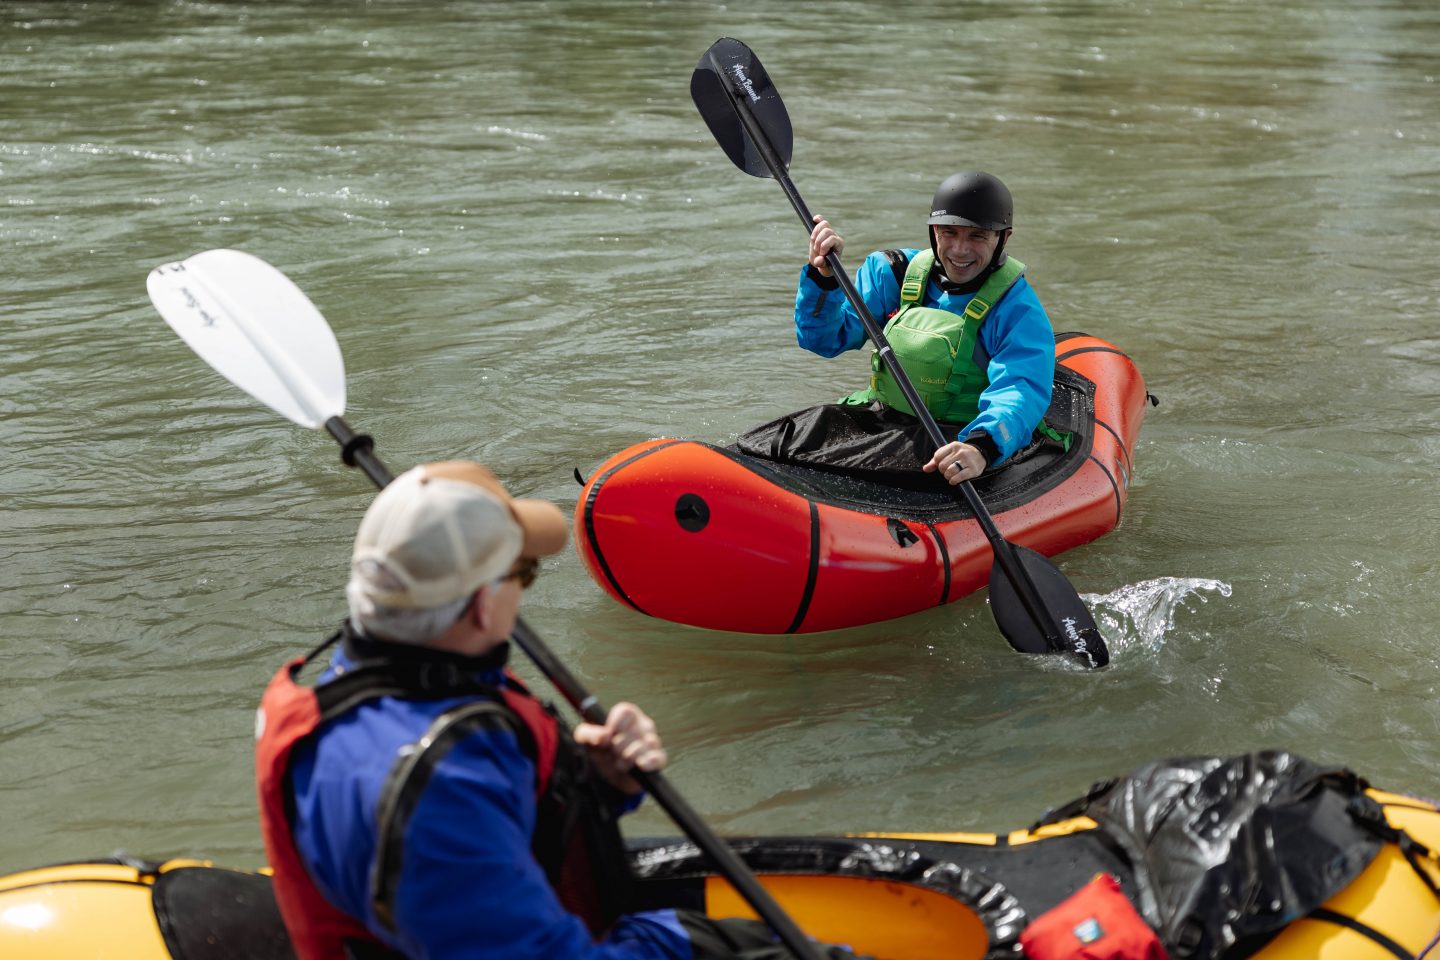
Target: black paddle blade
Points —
{"points": [[1078, 636], [729, 73]]}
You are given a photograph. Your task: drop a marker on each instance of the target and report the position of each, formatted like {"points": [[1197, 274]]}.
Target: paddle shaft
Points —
{"points": [[357, 450], [1004, 555]]}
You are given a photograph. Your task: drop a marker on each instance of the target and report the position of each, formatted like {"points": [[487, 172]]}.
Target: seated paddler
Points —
{"points": [[966, 326], [418, 800]]}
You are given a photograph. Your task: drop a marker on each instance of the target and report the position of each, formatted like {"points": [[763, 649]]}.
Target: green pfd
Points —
{"points": [[935, 347]]}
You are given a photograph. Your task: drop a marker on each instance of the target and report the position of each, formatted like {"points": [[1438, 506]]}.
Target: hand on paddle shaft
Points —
{"points": [[256, 328], [1035, 607], [955, 461]]}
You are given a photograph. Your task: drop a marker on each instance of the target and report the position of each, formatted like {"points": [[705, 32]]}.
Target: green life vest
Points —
{"points": [[935, 347]]}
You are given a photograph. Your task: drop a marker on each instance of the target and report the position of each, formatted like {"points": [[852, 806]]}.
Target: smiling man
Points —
{"points": [[963, 321]]}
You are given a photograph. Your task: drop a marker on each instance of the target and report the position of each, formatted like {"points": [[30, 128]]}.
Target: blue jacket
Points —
{"points": [[1016, 336], [469, 885]]}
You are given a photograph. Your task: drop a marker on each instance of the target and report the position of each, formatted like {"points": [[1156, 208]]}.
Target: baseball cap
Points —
{"points": [[440, 531]]}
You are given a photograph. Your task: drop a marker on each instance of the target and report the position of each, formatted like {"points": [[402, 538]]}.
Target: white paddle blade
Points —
{"points": [[257, 329]]}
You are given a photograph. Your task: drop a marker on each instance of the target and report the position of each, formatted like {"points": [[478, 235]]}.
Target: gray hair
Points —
{"points": [[401, 624]]}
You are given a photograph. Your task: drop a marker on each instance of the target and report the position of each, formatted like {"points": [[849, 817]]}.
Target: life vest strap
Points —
{"points": [[407, 781], [993, 289]]}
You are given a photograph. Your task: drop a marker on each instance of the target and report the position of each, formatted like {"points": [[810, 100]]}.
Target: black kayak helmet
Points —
{"points": [[972, 198]]}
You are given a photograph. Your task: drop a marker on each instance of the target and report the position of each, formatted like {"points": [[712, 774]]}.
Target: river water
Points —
{"points": [[533, 253]]}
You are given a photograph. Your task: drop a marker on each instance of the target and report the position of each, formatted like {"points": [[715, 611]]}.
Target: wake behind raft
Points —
{"points": [[705, 535]]}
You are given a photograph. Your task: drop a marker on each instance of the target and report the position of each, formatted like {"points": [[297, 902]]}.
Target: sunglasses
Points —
{"points": [[525, 571]]}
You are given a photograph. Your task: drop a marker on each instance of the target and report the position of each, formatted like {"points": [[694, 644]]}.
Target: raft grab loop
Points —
{"points": [[901, 534]]}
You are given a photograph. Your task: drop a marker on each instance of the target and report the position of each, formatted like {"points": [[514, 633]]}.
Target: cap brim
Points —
{"points": [[543, 525], [541, 522]]}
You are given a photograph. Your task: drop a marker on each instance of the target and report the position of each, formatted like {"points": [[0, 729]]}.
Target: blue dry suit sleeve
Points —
{"points": [[1016, 336], [826, 323], [1021, 343], [470, 887]]}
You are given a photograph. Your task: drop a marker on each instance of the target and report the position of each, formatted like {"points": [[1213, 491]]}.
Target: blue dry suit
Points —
{"points": [[1016, 338], [469, 885]]}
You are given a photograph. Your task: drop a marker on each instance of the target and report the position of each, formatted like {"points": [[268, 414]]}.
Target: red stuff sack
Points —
{"points": [[1096, 922]]}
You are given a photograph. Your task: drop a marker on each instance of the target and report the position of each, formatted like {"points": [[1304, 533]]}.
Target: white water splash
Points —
{"points": [[1141, 614]]}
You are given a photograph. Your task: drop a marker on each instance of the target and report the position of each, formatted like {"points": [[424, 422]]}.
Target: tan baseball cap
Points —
{"points": [[441, 530]]}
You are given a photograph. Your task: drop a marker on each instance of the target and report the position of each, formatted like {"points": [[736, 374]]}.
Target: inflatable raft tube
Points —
{"points": [[898, 897], [703, 535]]}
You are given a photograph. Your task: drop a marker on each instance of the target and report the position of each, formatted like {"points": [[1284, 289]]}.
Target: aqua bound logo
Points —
{"points": [[743, 82], [1073, 634]]}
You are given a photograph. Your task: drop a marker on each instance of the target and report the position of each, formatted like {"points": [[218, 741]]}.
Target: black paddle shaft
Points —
{"points": [[740, 91], [357, 450]]}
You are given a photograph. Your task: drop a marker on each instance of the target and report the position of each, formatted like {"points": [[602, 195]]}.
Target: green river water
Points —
{"points": [[533, 253]]}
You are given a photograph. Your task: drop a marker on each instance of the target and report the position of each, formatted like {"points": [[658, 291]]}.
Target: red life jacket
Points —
{"points": [[573, 832]]}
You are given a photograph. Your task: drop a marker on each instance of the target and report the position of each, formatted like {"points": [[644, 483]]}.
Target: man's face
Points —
{"points": [[502, 610], [964, 252]]}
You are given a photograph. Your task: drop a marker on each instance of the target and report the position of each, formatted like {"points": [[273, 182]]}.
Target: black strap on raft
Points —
{"points": [[1079, 807], [1371, 815], [1365, 930]]}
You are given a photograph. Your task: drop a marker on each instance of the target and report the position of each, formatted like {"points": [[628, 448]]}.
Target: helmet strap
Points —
{"points": [[997, 261]]}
